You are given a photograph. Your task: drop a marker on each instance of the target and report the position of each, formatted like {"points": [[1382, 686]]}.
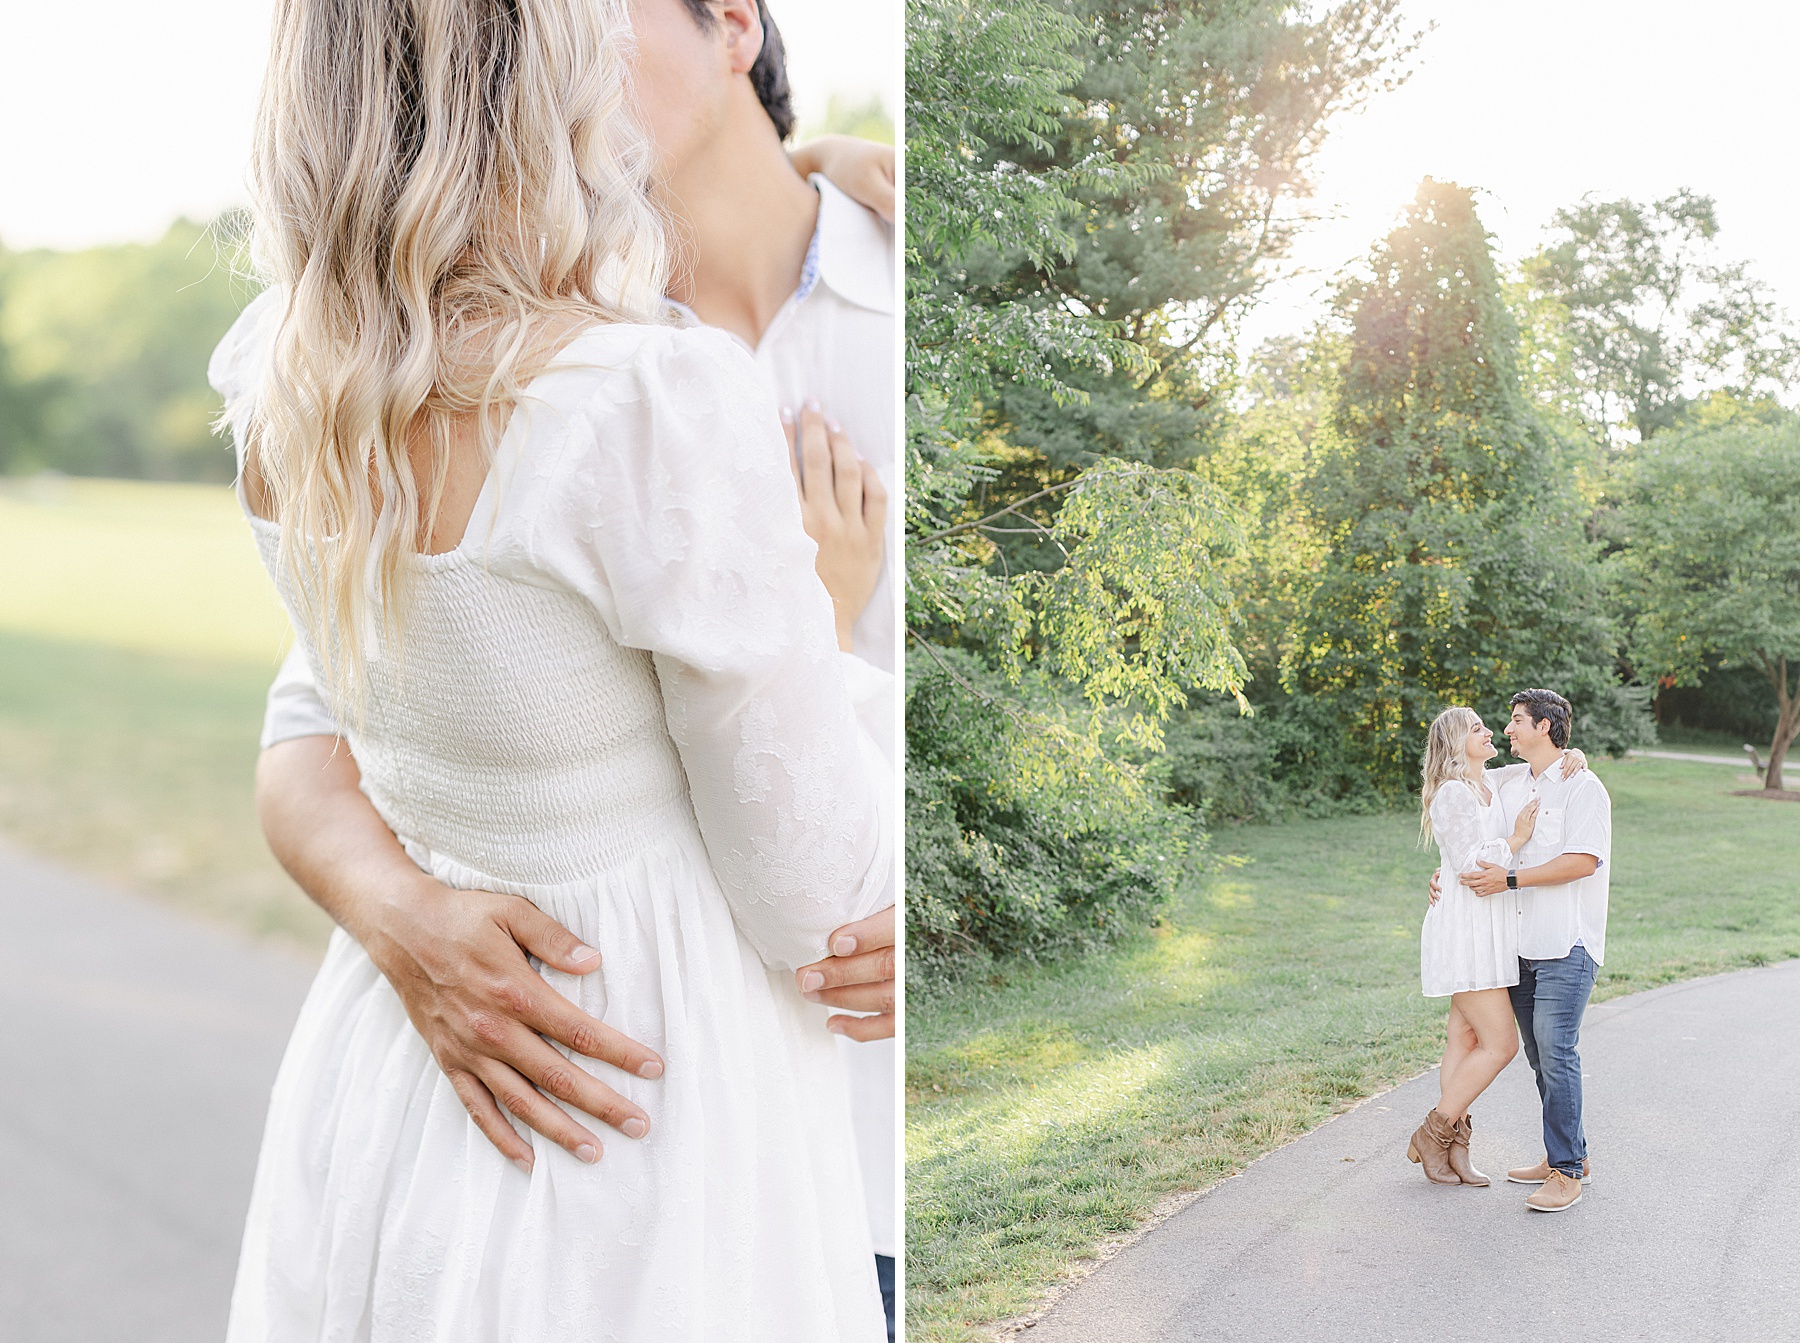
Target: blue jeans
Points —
{"points": [[1548, 1002], [884, 1274]]}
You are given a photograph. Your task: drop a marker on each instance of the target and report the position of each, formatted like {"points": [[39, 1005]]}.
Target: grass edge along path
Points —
{"points": [[1052, 1110]]}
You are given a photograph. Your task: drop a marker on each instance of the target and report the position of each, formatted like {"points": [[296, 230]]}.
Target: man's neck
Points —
{"points": [[1541, 760], [743, 220]]}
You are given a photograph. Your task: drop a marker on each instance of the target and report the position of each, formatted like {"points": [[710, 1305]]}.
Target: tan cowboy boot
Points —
{"points": [[1430, 1148], [1539, 1173], [1558, 1193], [1459, 1154]]}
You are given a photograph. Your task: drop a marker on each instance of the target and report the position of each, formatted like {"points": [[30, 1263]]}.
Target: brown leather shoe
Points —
{"points": [[1430, 1148], [1558, 1193], [1459, 1154], [1539, 1173]]}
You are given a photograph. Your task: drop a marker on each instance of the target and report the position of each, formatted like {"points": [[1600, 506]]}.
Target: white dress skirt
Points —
{"points": [[1469, 941], [621, 698]]}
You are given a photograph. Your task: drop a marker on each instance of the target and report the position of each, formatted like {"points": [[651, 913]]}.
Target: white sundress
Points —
{"points": [[620, 697], [1469, 941]]}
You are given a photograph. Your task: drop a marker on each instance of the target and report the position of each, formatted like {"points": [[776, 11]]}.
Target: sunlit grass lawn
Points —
{"points": [[137, 636], [1055, 1106]]}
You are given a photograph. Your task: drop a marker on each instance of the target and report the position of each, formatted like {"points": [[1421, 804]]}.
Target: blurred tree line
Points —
{"points": [[1150, 583], [103, 356]]}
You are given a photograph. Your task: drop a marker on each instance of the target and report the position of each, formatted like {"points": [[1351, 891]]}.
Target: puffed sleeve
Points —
{"points": [[1456, 821], [683, 527], [294, 707]]}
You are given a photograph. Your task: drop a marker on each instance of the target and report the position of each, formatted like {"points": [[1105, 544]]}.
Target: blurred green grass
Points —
{"points": [[1050, 1107], [138, 634]]}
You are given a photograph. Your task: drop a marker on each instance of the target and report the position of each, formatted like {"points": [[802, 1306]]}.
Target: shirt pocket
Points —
{"points": [[1552, 827]]}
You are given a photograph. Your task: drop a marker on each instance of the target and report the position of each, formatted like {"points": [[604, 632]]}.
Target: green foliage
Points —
{"points": [[1093, 193], [1022, 837], [1207, 119], [1456, 563], [103, 357], [1654, 316], [1711, 568]]}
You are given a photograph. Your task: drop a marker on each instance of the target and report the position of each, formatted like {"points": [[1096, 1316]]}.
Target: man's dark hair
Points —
{"points": [[1546, 706], [769, 75]]}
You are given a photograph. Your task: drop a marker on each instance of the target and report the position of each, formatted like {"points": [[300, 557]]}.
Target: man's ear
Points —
{"points": [[742, 26]]}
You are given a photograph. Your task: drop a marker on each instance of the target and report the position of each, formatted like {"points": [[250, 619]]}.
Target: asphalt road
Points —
{"points": [[1689, 1231], [137, 1048]]}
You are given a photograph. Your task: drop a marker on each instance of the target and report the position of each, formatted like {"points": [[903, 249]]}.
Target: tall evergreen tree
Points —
{"points": [[1456, 564]]}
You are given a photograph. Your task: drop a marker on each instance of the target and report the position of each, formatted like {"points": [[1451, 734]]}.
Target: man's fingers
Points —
{"points": [[567, 1024], [877, 997], [863, 1028], [868, 967], [567, 1081], [527, 1104], [494, 1126], [543, 937]]}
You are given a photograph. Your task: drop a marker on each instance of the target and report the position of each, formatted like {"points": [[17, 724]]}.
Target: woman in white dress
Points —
{"points": [[546, 560], [1469, 947]]}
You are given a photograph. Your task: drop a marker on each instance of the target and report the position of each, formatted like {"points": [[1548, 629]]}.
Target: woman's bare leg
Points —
{"points": [[1459, 1042], [1488, 1013]]}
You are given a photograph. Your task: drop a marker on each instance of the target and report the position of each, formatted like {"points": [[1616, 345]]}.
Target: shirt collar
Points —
{"points": [[855, 250], [851, 252]]}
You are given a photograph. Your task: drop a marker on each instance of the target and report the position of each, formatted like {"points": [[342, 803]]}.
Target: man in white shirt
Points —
{"points": [[1562, 876], [804, 277]]}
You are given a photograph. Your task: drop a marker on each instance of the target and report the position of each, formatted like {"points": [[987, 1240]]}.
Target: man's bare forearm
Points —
{"points": [[1561, 870], [329, 836]]}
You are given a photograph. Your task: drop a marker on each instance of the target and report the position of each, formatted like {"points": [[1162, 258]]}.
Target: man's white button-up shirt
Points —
{"points": [[1574, 816]]}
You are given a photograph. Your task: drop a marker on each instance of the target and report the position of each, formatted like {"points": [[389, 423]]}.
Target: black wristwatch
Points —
{"points": [[1512, 878]]}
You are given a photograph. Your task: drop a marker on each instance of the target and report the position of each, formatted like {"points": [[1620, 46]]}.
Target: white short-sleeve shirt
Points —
{"points": [[1574, 816]]}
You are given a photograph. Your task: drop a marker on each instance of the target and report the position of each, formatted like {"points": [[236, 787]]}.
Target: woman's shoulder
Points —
{"points": [[1456, 795], [640, 352]]}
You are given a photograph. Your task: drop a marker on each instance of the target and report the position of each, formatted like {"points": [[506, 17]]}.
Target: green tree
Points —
{"points": [[1062, 670], [1711, 564], [109, 347], [1199, 124], [1654, 316], [1456, 564]]}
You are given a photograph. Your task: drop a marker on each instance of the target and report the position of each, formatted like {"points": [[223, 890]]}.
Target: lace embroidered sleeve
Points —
{"points": [[1456, 821], [688, 527]]}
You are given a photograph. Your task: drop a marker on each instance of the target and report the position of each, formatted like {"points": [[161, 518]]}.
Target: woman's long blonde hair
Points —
{"points": [[1446, 759], [444, 191]]}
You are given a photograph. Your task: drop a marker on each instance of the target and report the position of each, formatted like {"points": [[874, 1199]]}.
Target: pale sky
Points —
{"points": [[116, 116], [1537, 102]]}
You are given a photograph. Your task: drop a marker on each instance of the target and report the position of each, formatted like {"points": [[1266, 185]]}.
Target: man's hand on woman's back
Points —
{"points": [[457, 959]]}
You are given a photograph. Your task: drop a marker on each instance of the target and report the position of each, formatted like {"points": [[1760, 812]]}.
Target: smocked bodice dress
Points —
{"points": [[621, 698], [1469, 941]]}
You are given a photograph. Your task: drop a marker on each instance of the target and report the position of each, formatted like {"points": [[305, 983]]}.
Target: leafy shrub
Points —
{"points": [[1024, 838]]}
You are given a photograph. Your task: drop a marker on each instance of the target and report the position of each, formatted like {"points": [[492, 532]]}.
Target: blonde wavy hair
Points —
{"points": [[1446, 759], [444, 192]]}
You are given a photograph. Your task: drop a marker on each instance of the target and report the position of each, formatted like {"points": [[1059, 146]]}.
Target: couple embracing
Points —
{"points": [[1516, 931], [587, 741]]}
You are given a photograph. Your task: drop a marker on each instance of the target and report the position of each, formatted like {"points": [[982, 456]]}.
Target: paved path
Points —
{"points": [[136, 1052], [1690, 1230], [1740, 761]]}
